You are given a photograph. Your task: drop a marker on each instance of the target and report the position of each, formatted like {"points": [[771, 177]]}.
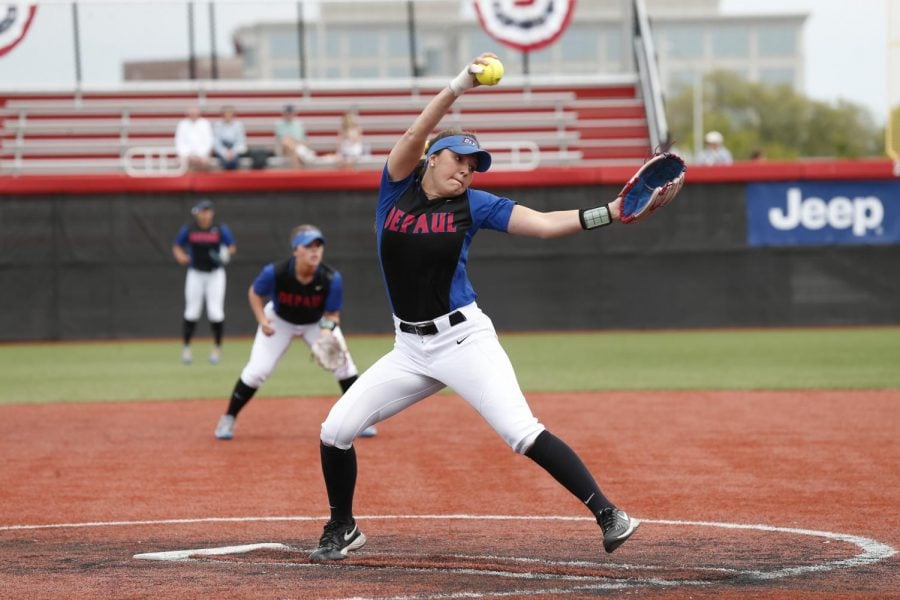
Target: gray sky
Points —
{"points": [[845, 47], [845, 41]]}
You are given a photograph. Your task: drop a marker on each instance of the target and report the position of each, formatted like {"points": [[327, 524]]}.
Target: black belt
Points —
{"points": [[430, 328]]}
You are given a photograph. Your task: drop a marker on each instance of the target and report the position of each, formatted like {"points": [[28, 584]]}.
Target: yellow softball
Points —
{"points": [[492, 74]]}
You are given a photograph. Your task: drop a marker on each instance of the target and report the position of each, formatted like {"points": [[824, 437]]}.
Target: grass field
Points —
{"points": [[834, 358]]}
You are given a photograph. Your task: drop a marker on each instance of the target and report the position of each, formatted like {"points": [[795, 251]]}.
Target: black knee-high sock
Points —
{"points": [[555, 456], [346, 383], [339, 469], [239, 397], [187, 331], [217, 329]]}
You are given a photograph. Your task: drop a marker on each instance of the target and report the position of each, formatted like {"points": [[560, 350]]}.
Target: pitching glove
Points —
{"points": [[655, 185]]}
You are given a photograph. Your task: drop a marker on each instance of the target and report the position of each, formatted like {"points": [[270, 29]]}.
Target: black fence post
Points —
{"points": [[411, 26], [213, 57], [192, 56], [77, 40], [301, 40]]}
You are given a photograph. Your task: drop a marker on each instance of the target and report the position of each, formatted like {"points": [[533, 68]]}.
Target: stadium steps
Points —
{"points": [[576, 124]]}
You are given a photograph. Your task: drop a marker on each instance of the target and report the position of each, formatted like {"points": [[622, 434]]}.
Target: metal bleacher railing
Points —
{"points": [[648, 69], [547, 121]]}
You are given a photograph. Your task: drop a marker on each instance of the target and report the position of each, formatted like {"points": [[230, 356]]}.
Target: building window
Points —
{"points": [[777, 40], [250, 57], [363, 44], [474, 41], [398, 42], [395, 70], [363, 72], [333, 45], [283, 44], [285, 72], [578, 43], [685, 42], [612, 42], [731, 42]]}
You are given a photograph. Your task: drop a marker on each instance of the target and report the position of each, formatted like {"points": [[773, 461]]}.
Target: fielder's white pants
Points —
{"points": [[268, 349], [204, 284], [467, 358]]}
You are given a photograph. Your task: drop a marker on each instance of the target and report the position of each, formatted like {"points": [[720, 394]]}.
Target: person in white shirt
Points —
{"points": [[230, 139], [714, 151], [194, 140]]}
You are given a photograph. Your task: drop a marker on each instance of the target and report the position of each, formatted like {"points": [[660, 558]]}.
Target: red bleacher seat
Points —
{"points": [[596, 122]]}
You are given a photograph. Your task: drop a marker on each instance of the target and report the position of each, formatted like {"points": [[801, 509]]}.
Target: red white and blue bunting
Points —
{"points": [[15, 19], [525, 24]]}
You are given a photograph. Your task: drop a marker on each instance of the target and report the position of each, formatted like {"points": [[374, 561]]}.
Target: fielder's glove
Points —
{"points": [[220, 257], [328, 352], [655, 185]]}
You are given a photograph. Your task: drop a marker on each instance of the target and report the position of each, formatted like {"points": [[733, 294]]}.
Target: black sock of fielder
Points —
{"points": [[239, 397], [339, 469], [555, 456], [187, 331], [346, 383], [217, 329]]}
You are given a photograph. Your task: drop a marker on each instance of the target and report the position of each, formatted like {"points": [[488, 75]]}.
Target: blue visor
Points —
{"points": [[307, 237], [463, 144], [202, 205]]}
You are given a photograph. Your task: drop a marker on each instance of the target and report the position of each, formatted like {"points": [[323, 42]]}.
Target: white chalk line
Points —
{"points": [[872, 551]]}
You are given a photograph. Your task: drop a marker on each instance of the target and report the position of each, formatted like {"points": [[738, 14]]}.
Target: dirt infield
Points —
{"points": [[760, 494]]}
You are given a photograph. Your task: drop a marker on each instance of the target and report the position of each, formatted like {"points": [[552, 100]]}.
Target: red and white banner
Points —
{"points": [[15, 19], [525, 24]]}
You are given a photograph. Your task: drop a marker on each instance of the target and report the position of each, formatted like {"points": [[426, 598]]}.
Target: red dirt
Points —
{"points": [[824, 461]]}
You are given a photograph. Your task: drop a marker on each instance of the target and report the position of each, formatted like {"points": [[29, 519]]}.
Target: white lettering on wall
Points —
{"points": [[860, 214]]}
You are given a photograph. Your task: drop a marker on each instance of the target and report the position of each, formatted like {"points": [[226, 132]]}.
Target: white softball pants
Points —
{"points": [[467, 358], [268, 350], [204, 284]]}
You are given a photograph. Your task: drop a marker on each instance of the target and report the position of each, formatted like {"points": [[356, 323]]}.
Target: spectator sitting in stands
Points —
{"points": [[230, 139], [714, 151], [194, 140], [290, 140], [351, 147]]}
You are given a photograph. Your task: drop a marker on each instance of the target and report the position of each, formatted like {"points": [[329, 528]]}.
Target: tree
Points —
{"points": [[777, 120]]}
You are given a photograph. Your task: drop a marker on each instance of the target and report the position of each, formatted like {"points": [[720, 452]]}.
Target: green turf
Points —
{"points": [[841, 358]]}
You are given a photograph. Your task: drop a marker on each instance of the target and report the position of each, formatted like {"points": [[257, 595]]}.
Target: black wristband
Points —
{"points": [[591, 218], [328, 324]]}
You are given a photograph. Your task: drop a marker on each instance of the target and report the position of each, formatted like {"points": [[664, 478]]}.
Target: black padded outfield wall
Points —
{"points": [[76, 267]]}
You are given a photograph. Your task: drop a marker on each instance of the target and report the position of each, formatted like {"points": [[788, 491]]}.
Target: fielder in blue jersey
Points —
{"points": [[426, 218], [299, 297], [204, 247]]}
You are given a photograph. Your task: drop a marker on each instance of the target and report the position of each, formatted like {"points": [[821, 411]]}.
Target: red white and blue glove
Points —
{"points": [[655, 185]]}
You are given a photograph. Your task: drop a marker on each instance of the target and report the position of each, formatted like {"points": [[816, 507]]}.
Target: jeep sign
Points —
{"points": [[802, 213]]}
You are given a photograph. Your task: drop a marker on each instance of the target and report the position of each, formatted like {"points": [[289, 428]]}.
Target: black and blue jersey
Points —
{"points": [[423, 245], [300, 303], [200, 243]]}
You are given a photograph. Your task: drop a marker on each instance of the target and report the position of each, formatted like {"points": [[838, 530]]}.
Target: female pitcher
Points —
{"points": [[426, 217]]}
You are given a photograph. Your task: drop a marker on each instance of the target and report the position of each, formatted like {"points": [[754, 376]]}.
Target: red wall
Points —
{"points": [[360, 180]]}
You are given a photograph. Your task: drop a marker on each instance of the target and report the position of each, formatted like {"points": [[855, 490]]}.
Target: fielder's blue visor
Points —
{"points": [[305, 238], [463, 144], [204, 204]]}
